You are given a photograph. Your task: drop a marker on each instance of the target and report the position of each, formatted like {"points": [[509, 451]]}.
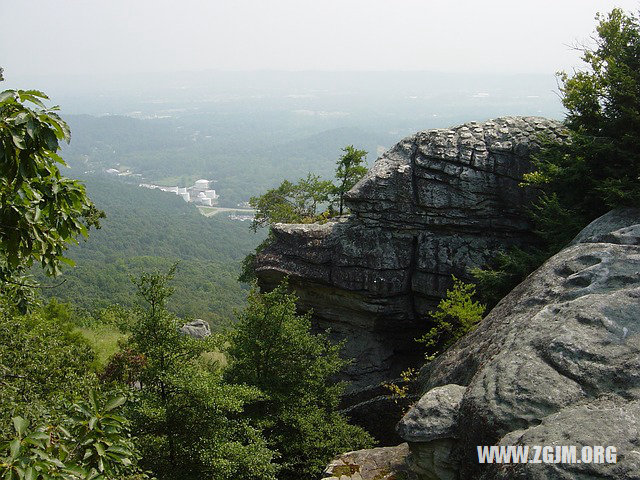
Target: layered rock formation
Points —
{"points": [[436, 204], [556, 362]]}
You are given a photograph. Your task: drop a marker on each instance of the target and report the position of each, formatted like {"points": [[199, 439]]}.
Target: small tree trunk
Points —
{"points": [[170, 439]]}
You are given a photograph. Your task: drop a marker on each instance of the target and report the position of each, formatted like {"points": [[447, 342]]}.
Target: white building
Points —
{"points": [[201, 185], [200, 193], [211, 194], [202, 199]]}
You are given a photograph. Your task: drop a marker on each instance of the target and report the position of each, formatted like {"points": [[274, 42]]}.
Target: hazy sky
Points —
{"points": [[134, 36]]}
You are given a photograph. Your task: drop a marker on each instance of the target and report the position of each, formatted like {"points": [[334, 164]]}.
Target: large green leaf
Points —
{"points": [[21, 425], [14, 448], [114, 403]]}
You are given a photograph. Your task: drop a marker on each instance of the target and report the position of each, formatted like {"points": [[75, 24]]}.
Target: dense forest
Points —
{"points": [[146, 230]]}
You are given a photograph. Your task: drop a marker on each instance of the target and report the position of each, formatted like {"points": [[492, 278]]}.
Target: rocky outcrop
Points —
{"points": [[430, 426], [436, 204], [387, 463], [197, 329], [556, 362]]}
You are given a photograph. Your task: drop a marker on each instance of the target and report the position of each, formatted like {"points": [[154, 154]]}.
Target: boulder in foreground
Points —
{"points": [[556, 362]]}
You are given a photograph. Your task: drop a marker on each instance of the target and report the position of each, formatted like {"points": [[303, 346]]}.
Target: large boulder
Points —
{"points": [[430, 426], [436, 204], [556, 362], [384, 463], [197, 328]]}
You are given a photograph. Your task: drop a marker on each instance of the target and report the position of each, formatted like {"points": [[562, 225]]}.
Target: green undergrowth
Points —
{"points": [[103, 340]]}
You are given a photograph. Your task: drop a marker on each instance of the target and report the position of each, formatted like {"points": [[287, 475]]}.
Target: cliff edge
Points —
{"points": [[439, 202]]}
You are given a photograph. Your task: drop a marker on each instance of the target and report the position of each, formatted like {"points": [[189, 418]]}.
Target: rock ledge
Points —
{"points": [[437, 203]]}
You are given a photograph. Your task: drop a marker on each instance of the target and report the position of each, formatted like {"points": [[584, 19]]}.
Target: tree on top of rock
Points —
{"points": [[350, 170], [598, 169]]}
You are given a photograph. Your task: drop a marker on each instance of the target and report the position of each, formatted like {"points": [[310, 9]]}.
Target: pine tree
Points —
{"points": [[350, 169], [272, 348], [188, 420]]}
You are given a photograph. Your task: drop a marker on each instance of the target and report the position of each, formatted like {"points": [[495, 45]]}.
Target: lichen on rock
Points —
{"points": [[384, 463]]}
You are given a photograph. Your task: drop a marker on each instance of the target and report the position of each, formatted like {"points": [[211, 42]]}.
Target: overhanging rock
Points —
{"points": [[436, 204]]}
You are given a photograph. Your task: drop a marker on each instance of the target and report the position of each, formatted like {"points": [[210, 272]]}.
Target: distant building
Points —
{"points": [[113, 171], [202, 199], [199, 193], [211, 194], [201, 185]]}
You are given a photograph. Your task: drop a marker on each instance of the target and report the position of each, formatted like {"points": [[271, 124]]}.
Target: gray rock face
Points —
{"points": [[431, 427], [387, 463], [617, 226], [197, 328], [556, 362], [435, 415], [437, 203]]}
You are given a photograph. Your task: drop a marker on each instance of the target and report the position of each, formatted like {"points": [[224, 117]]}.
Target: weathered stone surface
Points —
{"points": [[605, 421], [386, 463], [437, 203], [434, 416], [197, 328], [434, 460], [431, 428], [556, 362], [617, 226]]}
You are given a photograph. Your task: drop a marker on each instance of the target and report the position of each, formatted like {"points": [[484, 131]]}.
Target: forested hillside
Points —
{"points": [[146, 230], [245, 158]]}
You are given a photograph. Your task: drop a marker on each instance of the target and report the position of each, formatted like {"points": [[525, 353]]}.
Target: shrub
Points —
{"points": [[272, 349], [91, 443], [44, 366], [456, 315]]}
